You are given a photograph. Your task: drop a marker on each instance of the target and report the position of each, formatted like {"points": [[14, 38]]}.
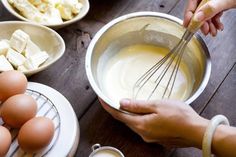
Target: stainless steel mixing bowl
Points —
{"points": [[151, 28]]}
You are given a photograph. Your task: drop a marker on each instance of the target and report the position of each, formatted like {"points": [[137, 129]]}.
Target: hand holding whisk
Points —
{"points": [[166, 70]]}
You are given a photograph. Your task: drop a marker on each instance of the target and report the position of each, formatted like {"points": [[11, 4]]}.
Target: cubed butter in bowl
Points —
{"points": [[28, 47], [52, 13]]}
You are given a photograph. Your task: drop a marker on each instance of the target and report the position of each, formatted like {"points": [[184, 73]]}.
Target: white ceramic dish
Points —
{"points": [[46, 38], [55, 106], [83, 12]]}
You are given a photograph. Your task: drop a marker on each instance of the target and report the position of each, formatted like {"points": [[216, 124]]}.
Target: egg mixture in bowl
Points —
{"points": [[124, 49]]}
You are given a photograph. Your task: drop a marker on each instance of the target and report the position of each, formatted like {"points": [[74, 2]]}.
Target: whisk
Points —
{"points": [[172, 59]]}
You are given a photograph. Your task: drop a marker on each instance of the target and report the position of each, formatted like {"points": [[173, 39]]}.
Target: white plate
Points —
{"points": [[46, 38], [55, 106], [78, 17]]}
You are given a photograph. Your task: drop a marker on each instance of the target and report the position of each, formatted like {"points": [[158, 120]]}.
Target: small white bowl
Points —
{"points": [[47, 40], [78, 17]]}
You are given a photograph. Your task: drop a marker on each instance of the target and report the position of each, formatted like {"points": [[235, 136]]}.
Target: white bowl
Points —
{"points": [[46, 38], [78, 17]]}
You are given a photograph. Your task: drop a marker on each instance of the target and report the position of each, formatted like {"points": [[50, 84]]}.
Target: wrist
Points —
{"points": [[196, 132], [224, 139]]}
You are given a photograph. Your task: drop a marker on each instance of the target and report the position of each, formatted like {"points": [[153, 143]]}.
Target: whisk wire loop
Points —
{"points": [[161, 68]]}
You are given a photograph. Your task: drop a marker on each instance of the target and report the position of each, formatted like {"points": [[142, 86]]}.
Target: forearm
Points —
{"points": [[224, 141]]}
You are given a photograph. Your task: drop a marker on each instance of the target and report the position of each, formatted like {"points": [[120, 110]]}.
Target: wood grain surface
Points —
{"points": [[97, 126]]}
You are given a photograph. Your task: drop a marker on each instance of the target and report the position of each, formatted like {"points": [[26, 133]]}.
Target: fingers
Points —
{"points": [[190, 9], [125, 118], [187, 18], [205, 28], [210, 9], [216, 21], [138, 106], [213, 29]]}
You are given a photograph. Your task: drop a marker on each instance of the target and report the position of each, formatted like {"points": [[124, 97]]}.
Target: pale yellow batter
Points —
{"points": [[124, 69], [106, 153]]}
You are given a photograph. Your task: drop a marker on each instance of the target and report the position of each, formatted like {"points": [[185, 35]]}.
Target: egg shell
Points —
{"points": [[36, 134], [18, 109], [5, 141], [11, 83]]}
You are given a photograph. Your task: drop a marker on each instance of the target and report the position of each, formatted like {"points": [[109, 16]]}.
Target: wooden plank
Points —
{"points": [[223, 101], [97, 126], [106, 10], [187, 152], [5, 15], [163, 6]]}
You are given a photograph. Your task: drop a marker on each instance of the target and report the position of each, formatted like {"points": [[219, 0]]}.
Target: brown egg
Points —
{"points": [[5, 140], [18, 109], [36, 134], [12, 83]]}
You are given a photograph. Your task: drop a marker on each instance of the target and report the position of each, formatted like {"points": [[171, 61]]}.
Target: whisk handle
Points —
{"points": [[194, 24]]}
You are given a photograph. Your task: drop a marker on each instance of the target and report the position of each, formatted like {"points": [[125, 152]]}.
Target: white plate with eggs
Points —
{"points": [[55, 106], [61, 14]]}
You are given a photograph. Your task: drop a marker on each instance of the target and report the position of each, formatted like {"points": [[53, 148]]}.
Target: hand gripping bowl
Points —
{"points": [[160, 29]]}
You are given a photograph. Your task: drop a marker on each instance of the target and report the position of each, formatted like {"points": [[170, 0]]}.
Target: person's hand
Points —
{"points": [[170, 123], [210, 13]]}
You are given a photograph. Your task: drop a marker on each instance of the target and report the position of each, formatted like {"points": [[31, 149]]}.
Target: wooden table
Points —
{"points": [[97, 126]]}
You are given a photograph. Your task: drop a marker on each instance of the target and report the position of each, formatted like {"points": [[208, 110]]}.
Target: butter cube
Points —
{"points": [[4, 64], [27, 9], [43, 7], [31, 49], [4, 46], [18, 40], [11, 1], [15, 58], [53, 16], [76, 8], [28, 65], [22, 68], [35, 2], [65, 12], [38, 59]]}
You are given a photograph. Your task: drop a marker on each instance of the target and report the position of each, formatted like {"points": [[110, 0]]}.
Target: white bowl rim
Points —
{"points": [[17, 15], [61, 52], [135, 15]]}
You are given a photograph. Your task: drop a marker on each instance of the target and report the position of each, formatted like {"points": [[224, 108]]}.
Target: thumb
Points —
{"points": [[211, 8], [138, 106]]}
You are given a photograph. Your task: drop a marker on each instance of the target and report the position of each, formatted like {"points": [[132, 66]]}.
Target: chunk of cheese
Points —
{"points": [[53, 16], [31, 49], [65, 12], [22, 68], [4, 64], [28, 10], [19, 40], [28, 65], [39, 58], [4, 46], [15, 58], [35, 2], [68, 8]]}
